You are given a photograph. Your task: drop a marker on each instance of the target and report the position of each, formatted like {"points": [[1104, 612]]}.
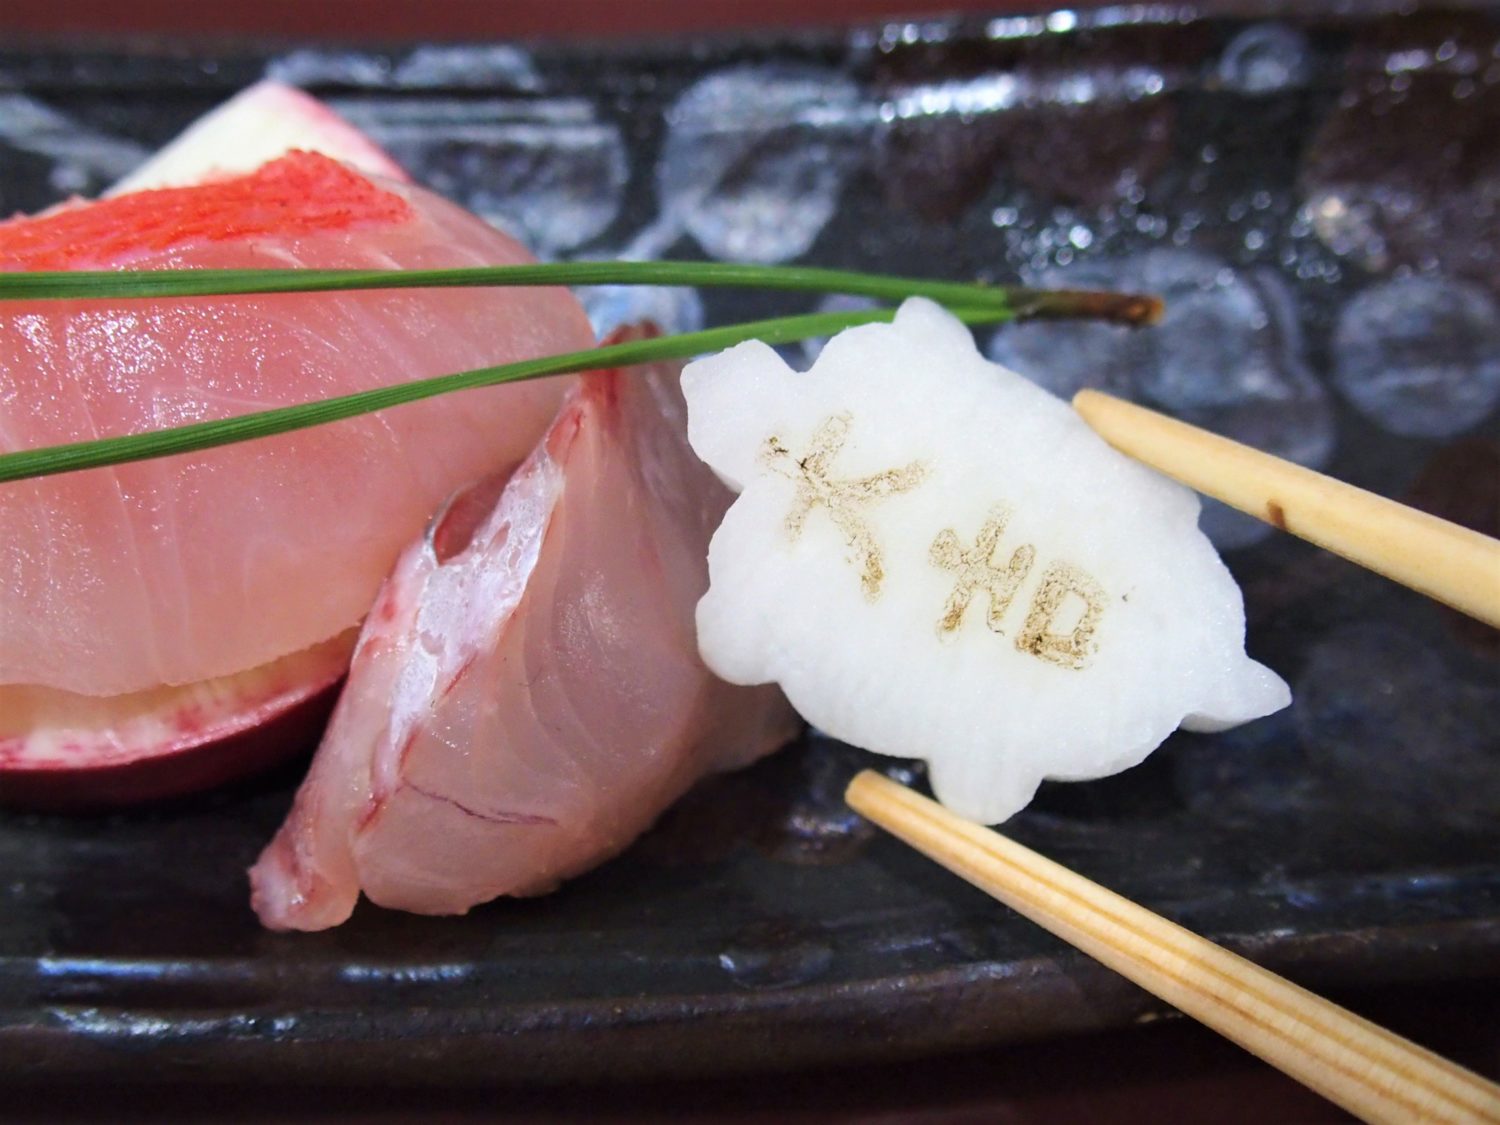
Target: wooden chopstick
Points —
{"points": [[1372, 1073], [1453, 564]]}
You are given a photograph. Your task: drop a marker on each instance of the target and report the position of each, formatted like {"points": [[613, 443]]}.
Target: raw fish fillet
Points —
{"points": [[527, 695], [260, 123], [194, 567]]}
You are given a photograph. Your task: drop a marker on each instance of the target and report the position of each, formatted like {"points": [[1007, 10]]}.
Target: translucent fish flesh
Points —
{"points": [[259, 124], [527, 695], [185, 569]]}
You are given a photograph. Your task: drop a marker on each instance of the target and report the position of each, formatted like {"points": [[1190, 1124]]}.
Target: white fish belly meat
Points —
{"points": [[936, 559], [527, 695]]}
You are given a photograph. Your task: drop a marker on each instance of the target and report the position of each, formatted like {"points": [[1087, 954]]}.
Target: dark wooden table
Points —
{"points": [[450, 19]]}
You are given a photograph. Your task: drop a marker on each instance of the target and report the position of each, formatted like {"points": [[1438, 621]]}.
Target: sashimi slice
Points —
{"points": [[257, 125], [186, 569], [527, 695]]}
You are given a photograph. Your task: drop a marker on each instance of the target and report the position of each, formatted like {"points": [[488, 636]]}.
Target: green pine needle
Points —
{"points": [[102, 284], [29, 463], [974, 304]]}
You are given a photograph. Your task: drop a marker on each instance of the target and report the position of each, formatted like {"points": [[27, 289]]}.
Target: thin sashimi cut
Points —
{"points": [[527, 694], [259, 124], [62, 750], [190, 568]]}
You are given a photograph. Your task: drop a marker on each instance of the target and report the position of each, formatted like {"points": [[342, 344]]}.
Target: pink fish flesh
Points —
{"points": [[527, 695], [170, 572]]}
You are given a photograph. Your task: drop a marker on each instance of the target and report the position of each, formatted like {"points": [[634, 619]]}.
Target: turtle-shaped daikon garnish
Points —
{"points": [[936, 559]]}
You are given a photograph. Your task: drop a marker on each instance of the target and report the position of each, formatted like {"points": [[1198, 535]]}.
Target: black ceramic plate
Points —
{"points": [[1319, 202]]}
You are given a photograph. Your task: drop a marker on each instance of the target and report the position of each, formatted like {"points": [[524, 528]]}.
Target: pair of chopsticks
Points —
{"points": [[1373, 1073]]}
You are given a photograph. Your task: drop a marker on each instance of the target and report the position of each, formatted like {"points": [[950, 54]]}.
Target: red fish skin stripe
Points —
{"points": [[300, 193]]}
